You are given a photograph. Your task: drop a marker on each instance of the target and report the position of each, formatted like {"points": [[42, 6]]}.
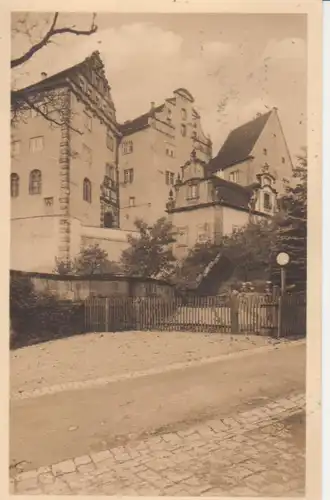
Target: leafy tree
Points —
{"points": [[64, 267], [150, 253], [291, 228], [91, 260], [247, 249]]}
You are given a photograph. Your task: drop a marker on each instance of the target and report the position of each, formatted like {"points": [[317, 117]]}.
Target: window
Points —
{"points": [[131, 201], [183, 114], [203, 233], [49, 201], [183, 130], [169, 178], [194, 134], [234, 176], [88, 122], [193, 192], [170, 152], [89, 91], [110, 172], [14, 185], [265, 151], [36, 144], [169, 114], [127, 147], [110, 141], [87, 190], [16, 148], [35, 182], [267, 201], [283, 159], [87, 155], [182, 236], [128, 176]]}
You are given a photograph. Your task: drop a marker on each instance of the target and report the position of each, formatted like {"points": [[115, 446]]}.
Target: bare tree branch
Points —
{"points": [[45, 106], [53, 31]]}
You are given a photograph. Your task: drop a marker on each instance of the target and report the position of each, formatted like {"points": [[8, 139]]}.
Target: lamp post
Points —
{"points": [[282, 260]]}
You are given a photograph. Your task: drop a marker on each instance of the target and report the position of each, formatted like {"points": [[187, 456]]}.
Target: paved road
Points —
{"points": [[257, 452], [53, 428]]}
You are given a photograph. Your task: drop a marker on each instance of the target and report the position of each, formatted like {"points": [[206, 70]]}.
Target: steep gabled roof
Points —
{"points": [[239, 144], [140, 122]]}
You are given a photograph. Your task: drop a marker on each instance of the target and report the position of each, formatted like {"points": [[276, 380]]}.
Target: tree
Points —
{"points": [[291, 228], [247, 249], [91, 260], [49, 104], [150, 253]]}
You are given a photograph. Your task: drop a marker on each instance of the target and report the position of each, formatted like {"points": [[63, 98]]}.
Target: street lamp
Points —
{"points": [[283, 260]]}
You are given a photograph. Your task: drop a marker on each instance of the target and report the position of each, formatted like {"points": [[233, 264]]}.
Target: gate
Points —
{"points": [[292, 314]]}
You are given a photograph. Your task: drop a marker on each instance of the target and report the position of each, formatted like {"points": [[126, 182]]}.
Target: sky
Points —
{"points": [[235, 65]]}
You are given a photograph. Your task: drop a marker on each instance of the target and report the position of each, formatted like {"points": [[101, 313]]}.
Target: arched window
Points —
{"points": [[14, 185], [87, 190], [35, 182]]}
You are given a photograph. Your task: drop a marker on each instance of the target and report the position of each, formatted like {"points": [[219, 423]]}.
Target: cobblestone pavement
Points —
{"points": [[252, 453]]}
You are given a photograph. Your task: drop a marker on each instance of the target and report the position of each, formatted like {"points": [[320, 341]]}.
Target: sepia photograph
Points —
{"points": [[158, 254]]}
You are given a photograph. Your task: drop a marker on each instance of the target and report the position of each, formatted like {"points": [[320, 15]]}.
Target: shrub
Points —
{"points": [[36, 317]]}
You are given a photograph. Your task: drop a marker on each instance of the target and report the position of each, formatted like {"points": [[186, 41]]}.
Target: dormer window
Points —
{"points": [[267, 202], [265, 151], [193, 192], [234, 176], [169, 114], [183, 130], [183, 114]]}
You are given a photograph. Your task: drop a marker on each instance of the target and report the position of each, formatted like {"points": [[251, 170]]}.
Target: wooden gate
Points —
{"points": [[292, 315]]}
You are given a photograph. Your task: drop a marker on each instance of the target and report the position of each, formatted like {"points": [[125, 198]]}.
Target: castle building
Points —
{"points": [[153, 147], [204, 207], [258, 144], [78, 177], [64, 169]]}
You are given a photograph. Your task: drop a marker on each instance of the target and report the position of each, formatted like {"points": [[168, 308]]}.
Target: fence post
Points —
{"points": [[234, 312], [107, 314]]}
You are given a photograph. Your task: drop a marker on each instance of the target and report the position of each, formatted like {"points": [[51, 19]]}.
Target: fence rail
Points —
{"points": [[259, 314]]}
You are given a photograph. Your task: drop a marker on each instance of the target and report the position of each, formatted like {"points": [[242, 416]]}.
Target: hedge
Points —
{"points": [[36, 317]]}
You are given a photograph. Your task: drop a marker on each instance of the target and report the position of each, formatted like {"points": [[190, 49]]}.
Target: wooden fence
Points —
{"points": [[259, 314]]}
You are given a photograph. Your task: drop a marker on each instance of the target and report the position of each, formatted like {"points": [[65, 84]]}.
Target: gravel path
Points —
{"points": [[95, 356]]}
